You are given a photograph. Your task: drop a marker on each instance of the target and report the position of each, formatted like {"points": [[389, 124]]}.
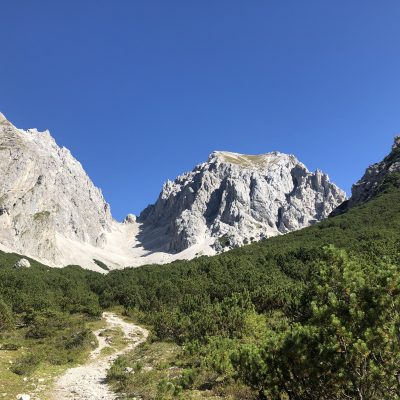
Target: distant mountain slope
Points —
{"points": [[45, 195], [375, 179], [50, 210], [233, 199]]}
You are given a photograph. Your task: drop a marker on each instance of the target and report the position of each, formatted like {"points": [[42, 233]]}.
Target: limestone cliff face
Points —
{"points": [[233, 199], [50, 209], [45, 194]]}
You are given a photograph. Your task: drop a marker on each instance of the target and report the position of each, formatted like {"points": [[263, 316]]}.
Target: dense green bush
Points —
{"points": [[44, 324], [6, 316], [347, 343], [46, 310], [26, 364]]}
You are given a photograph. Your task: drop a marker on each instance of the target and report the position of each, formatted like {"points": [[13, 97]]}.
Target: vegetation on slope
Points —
{"points": [[46, 321], [310, 315]]}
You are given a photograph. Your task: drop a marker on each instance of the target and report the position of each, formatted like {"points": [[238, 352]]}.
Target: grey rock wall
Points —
{"points": [[239, 198]]}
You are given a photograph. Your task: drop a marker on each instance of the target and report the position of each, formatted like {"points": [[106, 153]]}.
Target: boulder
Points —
{"points": [[22, 263], [23, 397], [130, 219]]}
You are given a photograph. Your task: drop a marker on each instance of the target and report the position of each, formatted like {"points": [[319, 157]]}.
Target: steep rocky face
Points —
{"points": [[45, 196], [50, 210], [373, 180], [233, 199]]}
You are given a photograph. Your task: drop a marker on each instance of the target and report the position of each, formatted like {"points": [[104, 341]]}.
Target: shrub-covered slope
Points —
{"points": [[271, 270], [310, 315]]}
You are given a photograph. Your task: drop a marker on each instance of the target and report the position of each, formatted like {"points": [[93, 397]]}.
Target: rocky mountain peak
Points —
{"points": [[50, 209], [239, 198], [46, 196], [256, 162], [396, 143]]}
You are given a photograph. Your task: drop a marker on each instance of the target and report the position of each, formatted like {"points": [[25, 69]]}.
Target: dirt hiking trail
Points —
{"points": [[88, 381]]}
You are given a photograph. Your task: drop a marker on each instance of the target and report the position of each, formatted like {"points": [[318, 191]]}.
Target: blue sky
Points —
{"points": [[141, 91]]}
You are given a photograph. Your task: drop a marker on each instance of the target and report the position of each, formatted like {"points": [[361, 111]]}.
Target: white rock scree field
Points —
{"points": [[51, 211]]}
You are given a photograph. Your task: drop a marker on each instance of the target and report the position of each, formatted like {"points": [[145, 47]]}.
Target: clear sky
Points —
{"points": [[141, 91]]}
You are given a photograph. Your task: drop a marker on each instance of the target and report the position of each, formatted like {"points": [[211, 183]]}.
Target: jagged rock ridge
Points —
{"points": [[51, 211], [233, 199], [373, 180], [45, 194]]}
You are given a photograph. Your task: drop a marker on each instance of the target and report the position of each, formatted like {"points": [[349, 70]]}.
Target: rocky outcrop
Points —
{"points": [[234, 199], [22, 263], [130, 219], [373, 180], [46, 195]]}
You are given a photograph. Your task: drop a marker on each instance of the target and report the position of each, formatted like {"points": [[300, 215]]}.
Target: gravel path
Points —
{"points": [[87, 382]]}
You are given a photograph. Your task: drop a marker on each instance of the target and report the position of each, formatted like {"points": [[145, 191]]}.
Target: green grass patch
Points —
{"points": [[160, 370], [34, 357]]}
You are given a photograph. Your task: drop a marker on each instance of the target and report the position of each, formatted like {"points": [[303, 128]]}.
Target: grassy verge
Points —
{"points": [[29, 362], [163, 371], [115, 340]]}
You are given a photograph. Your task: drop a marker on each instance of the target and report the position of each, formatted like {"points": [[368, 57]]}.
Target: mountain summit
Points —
{"points": [[233, 199], [50, 209], [46, 198]]}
